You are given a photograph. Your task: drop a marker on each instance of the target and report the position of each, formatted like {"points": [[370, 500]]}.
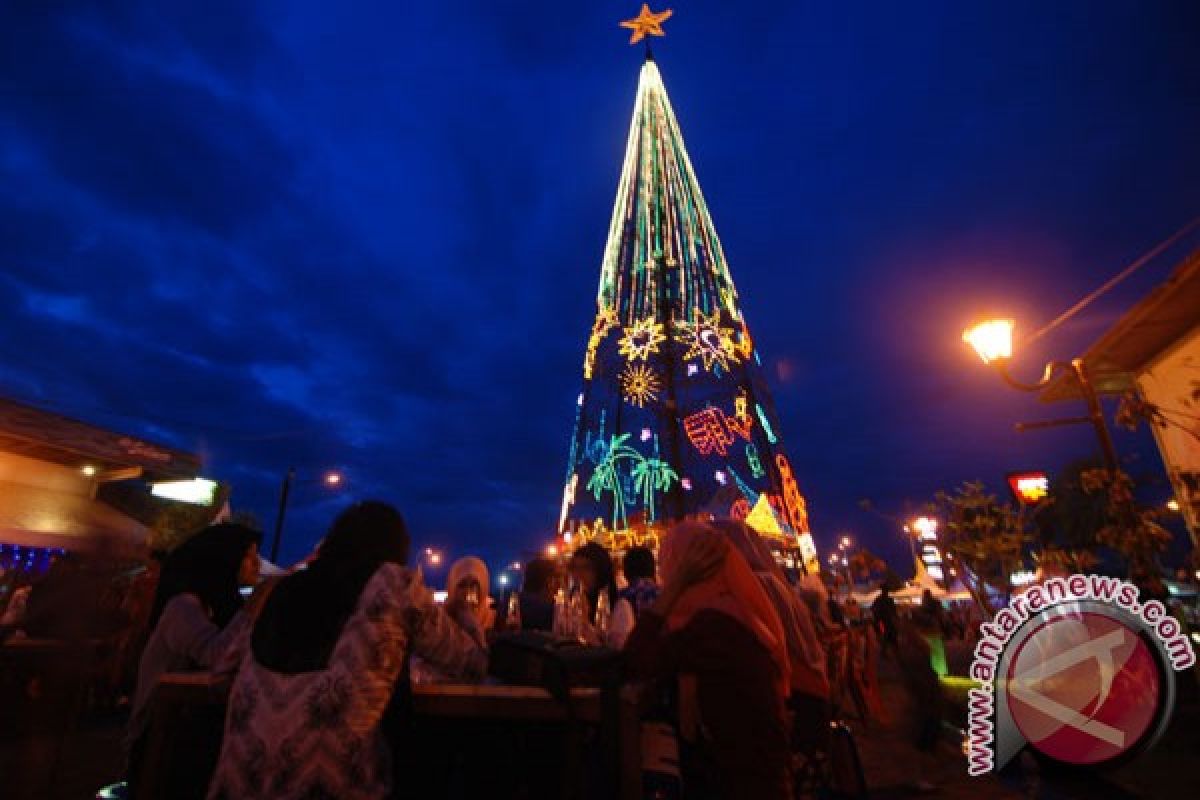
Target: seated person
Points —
{"points": [[319, 667], [195, 616], [714, 634], [591, 567], [536, 598], [466, 588], [641, 590]]}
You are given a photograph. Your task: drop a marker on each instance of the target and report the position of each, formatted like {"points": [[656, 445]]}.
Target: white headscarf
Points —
{"points": [[471, 567]]}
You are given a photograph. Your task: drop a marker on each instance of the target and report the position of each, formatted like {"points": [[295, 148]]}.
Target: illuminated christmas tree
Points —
{"points": [[675, 417]]}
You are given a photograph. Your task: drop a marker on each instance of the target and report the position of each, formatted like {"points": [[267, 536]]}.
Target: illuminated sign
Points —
{"points": [[197, 491], [1022, 577], [1029, 488], [808, 553]]}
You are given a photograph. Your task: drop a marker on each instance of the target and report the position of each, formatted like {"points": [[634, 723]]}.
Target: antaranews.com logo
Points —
{"points": [[1077, 668]]}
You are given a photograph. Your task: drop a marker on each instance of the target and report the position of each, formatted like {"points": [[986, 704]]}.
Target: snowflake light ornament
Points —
{"points": [[640, 385]]}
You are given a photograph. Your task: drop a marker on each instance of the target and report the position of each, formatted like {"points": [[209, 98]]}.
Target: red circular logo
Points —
{"points": [[1083, 688]]}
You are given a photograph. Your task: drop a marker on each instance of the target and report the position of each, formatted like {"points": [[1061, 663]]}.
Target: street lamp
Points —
{"points": [[926, 527], [910, 534], [993, 341], [330, 479]]}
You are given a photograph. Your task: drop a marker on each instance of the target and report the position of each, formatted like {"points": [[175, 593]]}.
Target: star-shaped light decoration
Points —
{"points": [[640, 385], [707, 340], [646, 23], [641, 339]]}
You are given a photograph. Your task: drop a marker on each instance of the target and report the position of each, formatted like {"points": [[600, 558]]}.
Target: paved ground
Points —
{"points": [[1170, 770]]}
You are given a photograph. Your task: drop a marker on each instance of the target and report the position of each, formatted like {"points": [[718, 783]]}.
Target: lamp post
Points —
{"points": [[992, 340], [910, 534], [845, 544], [330, 479]]}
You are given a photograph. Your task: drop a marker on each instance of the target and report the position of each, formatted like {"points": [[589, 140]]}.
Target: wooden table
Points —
{"points": [[614, 713], [484, 701]]}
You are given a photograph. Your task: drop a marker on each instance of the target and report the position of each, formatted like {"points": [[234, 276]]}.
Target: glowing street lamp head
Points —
{"points": [[992, 340], [1173, 506], [88, 471], [333, 479], [925, 527], [846, 541]]}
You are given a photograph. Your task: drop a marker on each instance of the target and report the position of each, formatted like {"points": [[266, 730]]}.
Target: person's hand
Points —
{"points": [[701, 561], [455, 605], [258, 599]]}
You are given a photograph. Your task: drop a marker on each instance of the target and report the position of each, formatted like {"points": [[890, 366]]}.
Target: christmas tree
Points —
{"points": [[675, 417]]}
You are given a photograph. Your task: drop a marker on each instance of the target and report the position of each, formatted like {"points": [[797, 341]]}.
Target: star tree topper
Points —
{"points": [[646, 23]]}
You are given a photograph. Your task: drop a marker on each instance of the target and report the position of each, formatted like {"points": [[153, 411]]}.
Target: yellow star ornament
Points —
{"points": [[646, 23]]}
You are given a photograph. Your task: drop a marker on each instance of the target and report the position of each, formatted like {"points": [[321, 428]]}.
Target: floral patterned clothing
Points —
{"points": [[318, 734]]}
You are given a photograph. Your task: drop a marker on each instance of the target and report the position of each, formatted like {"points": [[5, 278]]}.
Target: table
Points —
{"points": [[202, 697]]}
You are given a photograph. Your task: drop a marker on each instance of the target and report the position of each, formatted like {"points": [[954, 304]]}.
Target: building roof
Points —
{"points": [[47, 436], [1156, 322], [39, 517]]}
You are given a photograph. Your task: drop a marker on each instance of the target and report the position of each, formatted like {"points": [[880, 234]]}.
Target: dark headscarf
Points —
{"points": [[606, 580], [302, 619], [207, 566]]}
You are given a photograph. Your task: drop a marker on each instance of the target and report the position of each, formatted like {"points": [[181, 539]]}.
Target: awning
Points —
{"points": [[1159, 320], [39, 517], [46, 436]]}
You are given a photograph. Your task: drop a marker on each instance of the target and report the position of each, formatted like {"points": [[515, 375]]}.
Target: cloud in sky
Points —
{"points": [[367, 236]]}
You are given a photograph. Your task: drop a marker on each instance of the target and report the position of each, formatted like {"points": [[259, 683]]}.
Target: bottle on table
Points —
{"points": [[575, 615], [560, 614], [603, 616], [512, 617]]}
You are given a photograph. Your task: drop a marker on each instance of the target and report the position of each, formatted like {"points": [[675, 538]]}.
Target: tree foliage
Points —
{"points": [[1131, 532], [982, 535]]}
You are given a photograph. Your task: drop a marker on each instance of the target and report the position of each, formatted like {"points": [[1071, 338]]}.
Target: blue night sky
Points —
{"points": [[368, 235]]}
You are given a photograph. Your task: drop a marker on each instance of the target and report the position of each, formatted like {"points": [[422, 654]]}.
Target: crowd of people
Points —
{"points": [[742, 666]]}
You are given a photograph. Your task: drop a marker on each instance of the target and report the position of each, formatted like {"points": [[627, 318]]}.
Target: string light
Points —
{"points": [[683, 371], [640, 385], [642, 339], [706, 340], [711, 430]]}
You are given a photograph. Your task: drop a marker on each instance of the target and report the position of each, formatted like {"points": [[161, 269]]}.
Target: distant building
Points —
{"points": [[1154, 352], [51, 471]]}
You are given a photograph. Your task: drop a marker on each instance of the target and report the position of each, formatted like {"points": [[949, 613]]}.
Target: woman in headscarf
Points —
{"points": [[714, 633], [467, 584], [592, 569], [466, 588], [306, 710], [194, 616], [809, 690]]}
